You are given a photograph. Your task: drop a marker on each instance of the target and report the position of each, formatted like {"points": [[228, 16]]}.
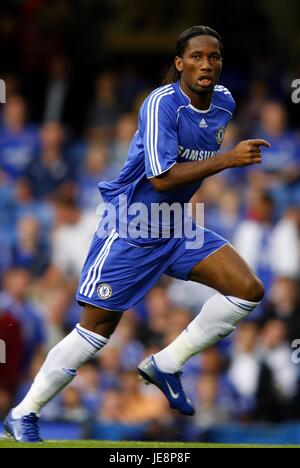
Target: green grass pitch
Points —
{"points": [[121, 445]]}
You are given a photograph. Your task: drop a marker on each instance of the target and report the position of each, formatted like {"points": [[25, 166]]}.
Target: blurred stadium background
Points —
{"points": [[76, 72]]}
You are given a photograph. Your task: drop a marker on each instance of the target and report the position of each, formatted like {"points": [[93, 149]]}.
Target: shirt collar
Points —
{"points": [[185, 100]]}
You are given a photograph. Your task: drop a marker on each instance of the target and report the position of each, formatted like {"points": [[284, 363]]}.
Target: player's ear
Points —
{"points": [[179, 64]]}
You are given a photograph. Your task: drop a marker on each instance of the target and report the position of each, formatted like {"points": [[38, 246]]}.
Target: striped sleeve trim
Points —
{"points": [[152, 130]]}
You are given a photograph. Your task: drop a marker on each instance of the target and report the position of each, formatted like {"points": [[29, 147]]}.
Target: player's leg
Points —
{"points": [[115, 276], [60, 368], [100, 321], [239, 292], [227, 272], [220, 267]]}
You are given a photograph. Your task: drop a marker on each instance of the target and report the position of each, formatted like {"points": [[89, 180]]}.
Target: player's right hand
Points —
{"points": [[246, 153]]}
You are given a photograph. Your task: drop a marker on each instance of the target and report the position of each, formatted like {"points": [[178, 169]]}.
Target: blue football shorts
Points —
{"points": [[117, 274]]}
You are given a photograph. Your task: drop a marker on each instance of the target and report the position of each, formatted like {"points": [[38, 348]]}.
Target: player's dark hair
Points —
{"points": [[182, 43]]}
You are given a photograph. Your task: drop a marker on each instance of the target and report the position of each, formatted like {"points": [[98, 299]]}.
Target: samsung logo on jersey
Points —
{"points": [[195, 155]]}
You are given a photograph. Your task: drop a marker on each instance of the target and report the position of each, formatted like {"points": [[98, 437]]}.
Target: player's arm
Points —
{"points": [[245, 153]]}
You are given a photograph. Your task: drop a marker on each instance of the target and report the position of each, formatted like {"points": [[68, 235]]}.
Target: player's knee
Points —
{"points": [[100, 321], [253, 289]]}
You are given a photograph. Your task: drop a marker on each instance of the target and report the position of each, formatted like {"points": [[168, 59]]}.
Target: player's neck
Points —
{"points": [[200, 101]]}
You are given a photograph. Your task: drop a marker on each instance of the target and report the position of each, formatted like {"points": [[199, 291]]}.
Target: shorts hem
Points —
{"points": [[81, 302]]}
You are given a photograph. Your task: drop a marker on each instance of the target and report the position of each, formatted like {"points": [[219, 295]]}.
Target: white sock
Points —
{"points": [[59, 369], [216, 320]]}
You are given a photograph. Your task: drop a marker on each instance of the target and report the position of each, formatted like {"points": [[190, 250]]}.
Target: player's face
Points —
{"points": [[201, 64]]}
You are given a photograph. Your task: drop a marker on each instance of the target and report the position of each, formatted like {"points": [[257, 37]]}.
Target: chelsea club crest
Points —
{"points": [[220, 135], [104, 291]]}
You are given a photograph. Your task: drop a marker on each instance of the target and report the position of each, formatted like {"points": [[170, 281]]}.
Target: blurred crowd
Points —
{"points": [[49, 170]]}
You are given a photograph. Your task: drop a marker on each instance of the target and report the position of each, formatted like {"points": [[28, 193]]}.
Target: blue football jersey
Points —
{"points": [[170, 131]]}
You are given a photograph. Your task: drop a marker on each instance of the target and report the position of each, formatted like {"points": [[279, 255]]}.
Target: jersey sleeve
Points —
{"points": [[160, 136], [224, 99]]}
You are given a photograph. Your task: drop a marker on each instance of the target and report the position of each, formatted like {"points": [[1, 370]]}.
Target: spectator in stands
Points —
{"points": [[104, 111], [16, 297], [11, 335], [72, 407], [30, 251], [19, 141], [56, 102], [276, 352], [139, 406], [226, 216], [281, 167], [125, 338], [97, 167], [110, 409], [125, 128], [284, 304], [253, 236], [50, 170], [73, 228], [89, 385], [251, 377], [25, 204], [55, 304], [284, 160], [158, 307], [285, 246], [249, 115], [212, 408], [110, 367]]}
